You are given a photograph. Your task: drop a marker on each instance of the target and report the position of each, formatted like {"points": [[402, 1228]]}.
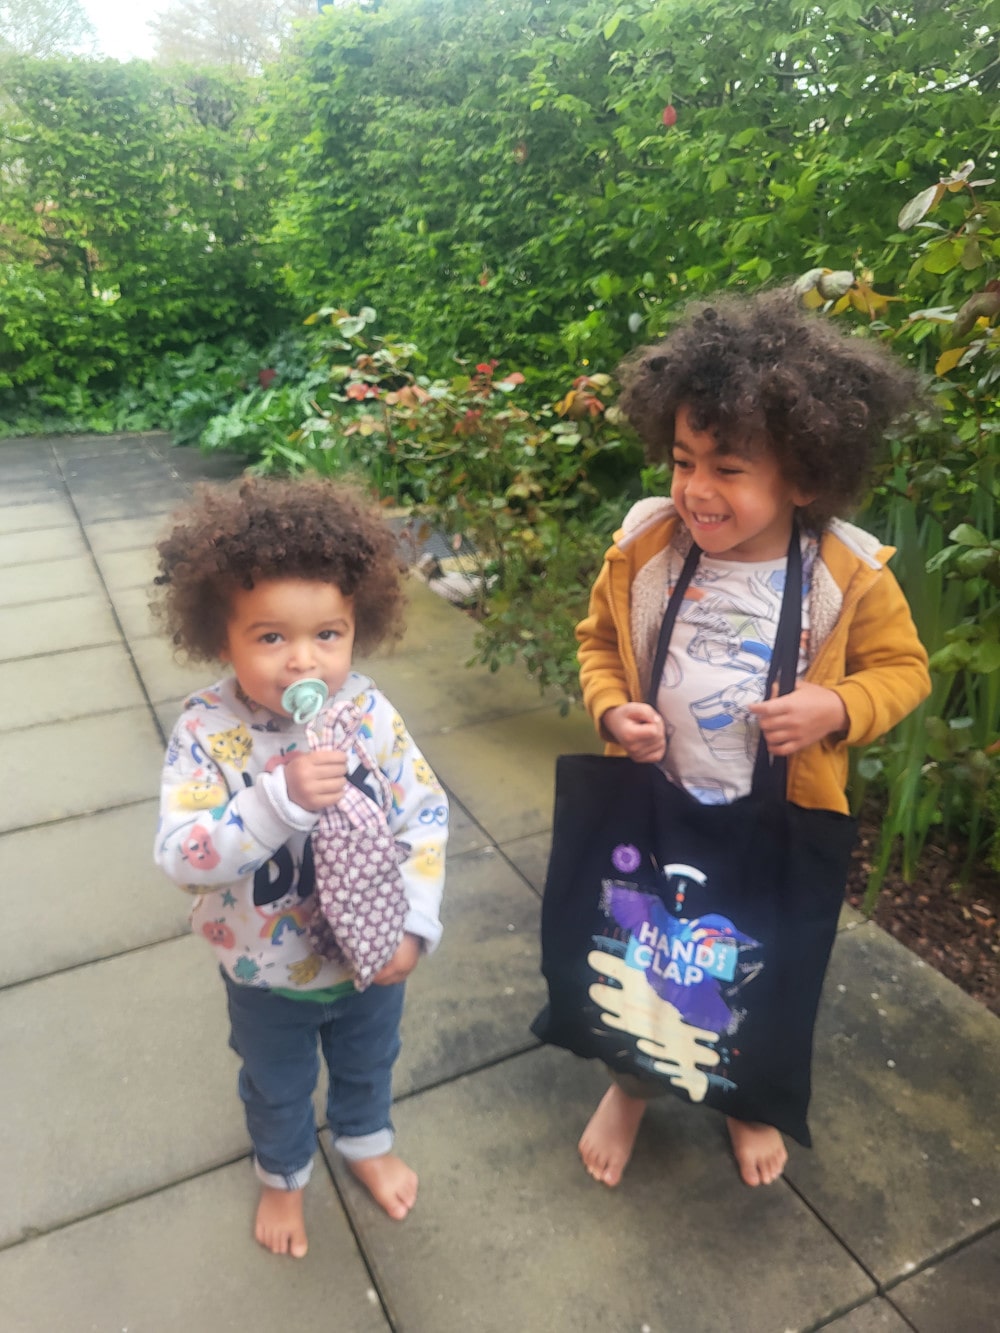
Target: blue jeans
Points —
{"points": [[276, 1040]]}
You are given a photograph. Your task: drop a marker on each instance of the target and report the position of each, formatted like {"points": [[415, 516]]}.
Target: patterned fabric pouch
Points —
{"points": [[361, 904]]}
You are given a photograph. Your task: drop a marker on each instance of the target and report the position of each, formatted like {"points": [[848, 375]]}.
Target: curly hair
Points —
{"points": [[233, 536], [762, 372]]}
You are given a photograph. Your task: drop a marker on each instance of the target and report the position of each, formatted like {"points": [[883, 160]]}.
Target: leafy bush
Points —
{"points": [[938, 502]]}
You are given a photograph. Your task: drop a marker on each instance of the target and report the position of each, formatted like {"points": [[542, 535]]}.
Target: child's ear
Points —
{"points": [[802, 498]]}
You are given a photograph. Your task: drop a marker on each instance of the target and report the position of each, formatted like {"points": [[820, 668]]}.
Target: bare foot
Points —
{"points": [[390, 1182], [759, 1151], [280, 1226], [607, 1142]]}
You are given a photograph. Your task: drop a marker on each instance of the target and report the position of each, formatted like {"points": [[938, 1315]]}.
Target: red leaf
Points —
{"points": [[669, 116]]}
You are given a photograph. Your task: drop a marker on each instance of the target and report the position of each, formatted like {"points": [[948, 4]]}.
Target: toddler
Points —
{"points": [[281, 581], [771, 418]]}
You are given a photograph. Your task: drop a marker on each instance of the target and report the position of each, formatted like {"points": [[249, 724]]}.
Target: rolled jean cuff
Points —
{"points": [[363, 1146], [294, 1180]]}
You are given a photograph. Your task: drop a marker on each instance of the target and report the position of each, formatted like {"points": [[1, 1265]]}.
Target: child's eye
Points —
{"points": [[272, 636], [326, 635], [681, 465]]}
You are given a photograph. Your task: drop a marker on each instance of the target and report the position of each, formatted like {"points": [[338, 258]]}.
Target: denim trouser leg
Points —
{"points": [[276, 1040], [360, 1044]]}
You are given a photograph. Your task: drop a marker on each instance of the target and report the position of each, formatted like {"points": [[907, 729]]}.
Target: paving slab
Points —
{"points": [[133, 444], [168, 678], [124, 1084], [432, 626], [35, 628], [184, 1259], [53, 772], [48, 580], [875, 1316], [509, 1232], [64, 686], [530, 856], [29, 462], [157, 496], [132, 609], [99, 870], [55, 513], [30, 489], [192, 464], [472, 1001], [127, 568], [23, 548], [110, 468], [505, 769], [959, 1294], [906, 1085], [124, 534], [446, 694], [24, 448]]}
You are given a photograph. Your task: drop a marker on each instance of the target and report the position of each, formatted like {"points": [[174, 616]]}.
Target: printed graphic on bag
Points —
{"points": [[677, 983]]}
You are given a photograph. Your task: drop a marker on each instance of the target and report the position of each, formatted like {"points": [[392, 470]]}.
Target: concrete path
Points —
{"points": [[127, 1192]]}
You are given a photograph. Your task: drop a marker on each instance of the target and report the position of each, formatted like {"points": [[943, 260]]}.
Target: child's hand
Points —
{"points": [[790, 722], [639, 730], [402, 962], [316, 778]]}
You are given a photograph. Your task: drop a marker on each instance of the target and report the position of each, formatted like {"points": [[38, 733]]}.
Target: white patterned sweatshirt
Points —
{"points": [[230, 833]]}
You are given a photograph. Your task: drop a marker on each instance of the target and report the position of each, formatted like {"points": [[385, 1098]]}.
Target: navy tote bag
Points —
{"points": [[684, 943]]}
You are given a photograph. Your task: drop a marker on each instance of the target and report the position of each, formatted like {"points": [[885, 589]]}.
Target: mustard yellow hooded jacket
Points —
{"points": [[863, 644]]}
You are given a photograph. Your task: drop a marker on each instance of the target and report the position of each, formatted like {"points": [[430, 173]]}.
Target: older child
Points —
{"points": [[770, 416], [281, 581]]}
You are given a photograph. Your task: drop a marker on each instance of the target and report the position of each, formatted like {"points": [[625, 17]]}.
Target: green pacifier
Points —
{"points": [[304, 699]]}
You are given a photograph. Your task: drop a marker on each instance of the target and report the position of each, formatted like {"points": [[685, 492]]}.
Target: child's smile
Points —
{"points": [[736, 507], [285, 630]]}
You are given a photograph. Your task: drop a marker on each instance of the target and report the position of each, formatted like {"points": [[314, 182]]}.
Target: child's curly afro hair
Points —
{"points": [[233, 536], [762, 371]]}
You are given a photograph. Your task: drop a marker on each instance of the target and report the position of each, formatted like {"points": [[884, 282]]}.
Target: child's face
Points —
{"points": [[284, 630], [735, 508]]}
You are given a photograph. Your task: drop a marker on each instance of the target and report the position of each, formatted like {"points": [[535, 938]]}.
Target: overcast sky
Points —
{"points": [[121, 26]]}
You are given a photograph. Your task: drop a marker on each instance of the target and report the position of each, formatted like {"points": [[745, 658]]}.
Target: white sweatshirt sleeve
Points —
{"points": [[208, 834]]}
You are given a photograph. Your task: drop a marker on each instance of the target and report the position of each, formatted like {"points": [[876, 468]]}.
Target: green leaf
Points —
{"points": [[987, 656], [943, 256], [966, 535]]}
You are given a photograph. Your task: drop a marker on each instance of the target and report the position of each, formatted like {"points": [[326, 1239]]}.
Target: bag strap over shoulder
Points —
{"points": [[769, 774]]}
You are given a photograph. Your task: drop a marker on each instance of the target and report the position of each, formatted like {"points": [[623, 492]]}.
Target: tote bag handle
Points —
{"points": [[769, 774]]}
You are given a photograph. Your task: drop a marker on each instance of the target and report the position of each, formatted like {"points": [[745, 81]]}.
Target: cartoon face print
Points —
{"points": [[199, 850], [398, 735], [437, 815], [283, 915], [423, 772], [279, 890], [201, 792], [427, 861], [219, 934], [231, 747]]}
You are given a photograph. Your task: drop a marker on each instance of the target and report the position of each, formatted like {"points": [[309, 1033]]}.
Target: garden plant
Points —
{"points": [[418, 244]]}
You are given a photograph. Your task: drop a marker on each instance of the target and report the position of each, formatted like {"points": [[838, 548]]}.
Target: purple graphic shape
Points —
{"points": [[626, 858]]}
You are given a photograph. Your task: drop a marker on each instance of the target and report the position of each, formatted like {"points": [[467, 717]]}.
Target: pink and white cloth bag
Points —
{"points": [[361, 903]]}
